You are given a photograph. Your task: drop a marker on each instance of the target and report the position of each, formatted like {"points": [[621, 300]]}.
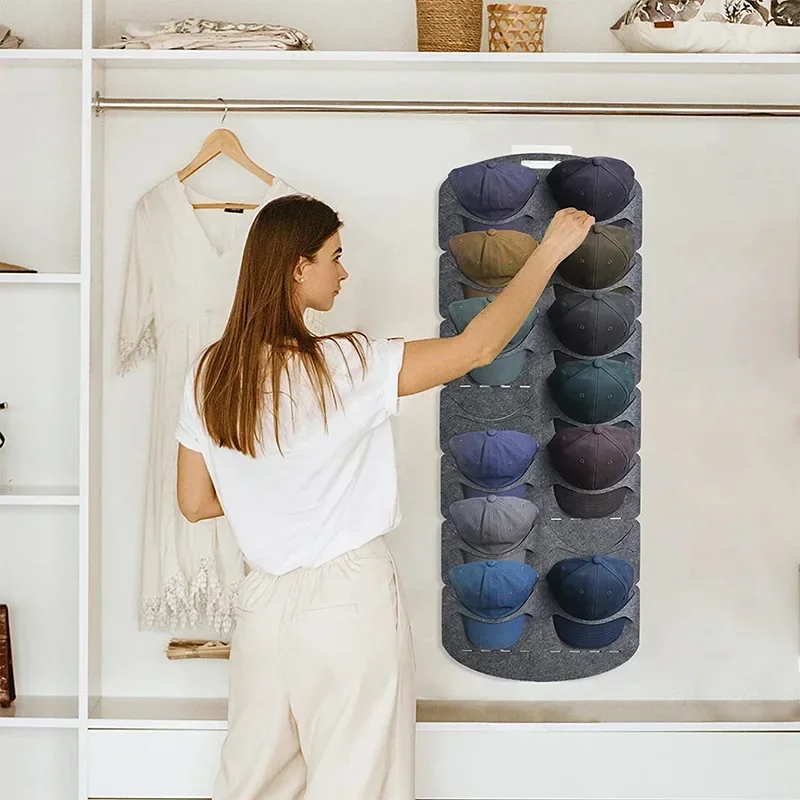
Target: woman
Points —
{"points": [[289, 436]]}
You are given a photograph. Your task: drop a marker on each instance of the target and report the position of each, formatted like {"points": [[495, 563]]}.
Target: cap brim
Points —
{"points": [[520, 224], [494, 636], [588, 637], [517, 554], [589, 506], [503, 370], [470, 492]]}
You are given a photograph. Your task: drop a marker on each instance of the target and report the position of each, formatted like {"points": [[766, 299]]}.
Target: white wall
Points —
{"points": [[721, 371], [38, 764], [55, 23]]}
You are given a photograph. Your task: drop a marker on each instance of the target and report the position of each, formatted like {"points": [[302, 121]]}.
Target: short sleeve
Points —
{"points": [[385, 364], [190, 431]]}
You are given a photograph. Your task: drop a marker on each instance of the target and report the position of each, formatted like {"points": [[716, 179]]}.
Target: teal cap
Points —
{"points": [[592, 391], [507, 366]]}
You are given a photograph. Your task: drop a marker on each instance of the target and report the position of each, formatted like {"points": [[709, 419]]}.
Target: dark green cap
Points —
{"points": [[602, 260], [592, 391]]}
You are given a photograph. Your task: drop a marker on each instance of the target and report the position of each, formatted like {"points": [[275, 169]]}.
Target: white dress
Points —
{"points": [[178, 292]]}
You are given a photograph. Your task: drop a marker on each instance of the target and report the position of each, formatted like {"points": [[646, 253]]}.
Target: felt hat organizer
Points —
{"points": [[540, 575]]}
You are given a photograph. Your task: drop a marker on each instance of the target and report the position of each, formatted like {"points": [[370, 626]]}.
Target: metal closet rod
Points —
{"points": [[570, 108]]}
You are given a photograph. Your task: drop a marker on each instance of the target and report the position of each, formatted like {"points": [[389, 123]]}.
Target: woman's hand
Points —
{"points": [[566, 232]]}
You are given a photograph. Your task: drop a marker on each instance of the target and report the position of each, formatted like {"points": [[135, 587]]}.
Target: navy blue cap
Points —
{"points": [[588, 637], [493, 190], [493, 458], [591, 588], [493, 590], [600, 186]]}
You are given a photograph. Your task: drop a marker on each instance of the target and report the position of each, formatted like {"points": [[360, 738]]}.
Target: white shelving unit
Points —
{"points": [[50, 502]]}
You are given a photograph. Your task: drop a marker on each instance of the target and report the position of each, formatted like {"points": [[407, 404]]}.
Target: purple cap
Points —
{"points": [[593, 457], [493, 458], [493, 190]]}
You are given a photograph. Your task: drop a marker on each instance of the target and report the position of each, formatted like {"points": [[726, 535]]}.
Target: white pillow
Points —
{"points": [[711, 26]]}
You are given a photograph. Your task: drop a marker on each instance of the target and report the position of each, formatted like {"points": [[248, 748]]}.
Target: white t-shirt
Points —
{"points": [[330, 492]]}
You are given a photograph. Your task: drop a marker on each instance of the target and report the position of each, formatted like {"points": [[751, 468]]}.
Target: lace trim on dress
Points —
{"points": [[130, 354], [198, 602]]}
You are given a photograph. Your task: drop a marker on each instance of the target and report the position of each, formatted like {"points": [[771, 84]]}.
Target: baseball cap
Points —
{"points": [[493, 525], [593, 457], [493, 458], [493, 190], [602, 259], [589, 506], [507, 366], [592, 324], [493, 590], [591, 588], [601, 186], [592, 391], [492, 258]]}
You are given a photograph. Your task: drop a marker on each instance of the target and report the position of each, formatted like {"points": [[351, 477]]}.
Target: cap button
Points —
{"points": [[491, 498], [597, 295], [490, 563], [597, 429], [491, 164], [597, 162], [595, 229], [596, 559], [597, 363], [491, 432], [491, 232]]}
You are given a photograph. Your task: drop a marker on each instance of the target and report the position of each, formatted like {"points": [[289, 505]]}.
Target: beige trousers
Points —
{"points": [[322, 701]]}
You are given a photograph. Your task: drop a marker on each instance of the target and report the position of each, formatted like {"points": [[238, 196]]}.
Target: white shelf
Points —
{"points": [[678, 61], [160, 712], [53, 278], [44, 57], [41, 712], [39, 496], [434, 715]]}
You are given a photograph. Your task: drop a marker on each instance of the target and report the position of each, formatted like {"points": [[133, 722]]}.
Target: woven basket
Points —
{"points": [[516, 29], [449, 25]]}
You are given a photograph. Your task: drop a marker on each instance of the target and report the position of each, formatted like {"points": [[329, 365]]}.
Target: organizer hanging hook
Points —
{"points": [[225, 112]]}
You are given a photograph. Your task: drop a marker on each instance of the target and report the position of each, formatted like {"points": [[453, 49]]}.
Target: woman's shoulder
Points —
{"points": [[358, 351]]}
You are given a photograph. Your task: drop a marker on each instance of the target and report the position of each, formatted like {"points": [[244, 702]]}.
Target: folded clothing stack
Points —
{"points": [[194, 33], [7, 39]]}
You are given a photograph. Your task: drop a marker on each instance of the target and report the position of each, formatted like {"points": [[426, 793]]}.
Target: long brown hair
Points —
{"points": [[266, 328]]}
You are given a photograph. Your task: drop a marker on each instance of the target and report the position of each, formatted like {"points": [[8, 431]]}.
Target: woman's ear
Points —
{"points": [[299, 270]]}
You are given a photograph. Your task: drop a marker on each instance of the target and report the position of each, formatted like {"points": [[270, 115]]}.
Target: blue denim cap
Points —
{"points": [[507, 366], [493, 590], [493, 459], [493, 190]]}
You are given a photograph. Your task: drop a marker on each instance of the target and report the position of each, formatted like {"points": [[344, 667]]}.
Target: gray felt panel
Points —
{"points": [[525, 405]]}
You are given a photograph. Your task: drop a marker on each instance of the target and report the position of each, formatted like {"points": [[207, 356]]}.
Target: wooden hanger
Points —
{"points": [[224, 142]]}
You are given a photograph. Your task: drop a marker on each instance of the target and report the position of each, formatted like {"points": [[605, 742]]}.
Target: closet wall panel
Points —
{"points": [[712, 368]]}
